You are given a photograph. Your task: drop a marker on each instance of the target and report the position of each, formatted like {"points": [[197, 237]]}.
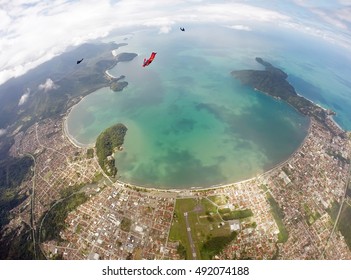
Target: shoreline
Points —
{"points": [[216, 186], [191, 189], [224, 185], [68, 135], [110, 75]]}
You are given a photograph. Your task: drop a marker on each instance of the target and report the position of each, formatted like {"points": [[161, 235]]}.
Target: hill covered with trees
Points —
{"points": [[106, 144]]}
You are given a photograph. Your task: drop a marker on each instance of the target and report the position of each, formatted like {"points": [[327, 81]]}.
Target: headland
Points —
{"points": [[272, 81]]}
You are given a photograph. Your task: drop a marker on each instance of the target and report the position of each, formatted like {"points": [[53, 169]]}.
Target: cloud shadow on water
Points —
{"points": [[178, 169]]}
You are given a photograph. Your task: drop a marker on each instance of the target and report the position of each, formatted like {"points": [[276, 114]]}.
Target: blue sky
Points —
{"points": [[32, 31]]}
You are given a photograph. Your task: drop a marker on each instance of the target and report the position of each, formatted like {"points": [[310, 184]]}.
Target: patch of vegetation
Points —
{"points": [[17, 244], [54, 221], [90, 153], [57, 257], [178, 230], [210, 207], [338, 156], [106, 143], [333, 210], [227, 214], [210, 217], [215, 245], [278, 217], [78, 229], [66, 192], [310, 216], [97, 177], [263, 187], [348, 191], [252, 225], [286, 170], [219, 199], [126, 224], [344, 224], [12, 173], [181, 251]]}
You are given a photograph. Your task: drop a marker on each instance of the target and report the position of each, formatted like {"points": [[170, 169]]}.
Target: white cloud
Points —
{"points": [[334, 18], [48, 85], [335, 14], [2, 131], [240, 27], [24, 97], [163, 23], [33, 31], [165, 29]]}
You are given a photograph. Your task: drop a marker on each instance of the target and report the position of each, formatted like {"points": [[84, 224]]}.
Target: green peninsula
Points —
{"points": [[273, 81], [107, 142]]}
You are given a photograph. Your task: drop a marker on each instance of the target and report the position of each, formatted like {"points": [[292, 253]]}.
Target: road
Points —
{"points": [[190, 238]]}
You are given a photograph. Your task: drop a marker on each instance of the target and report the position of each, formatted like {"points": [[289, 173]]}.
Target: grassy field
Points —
{"points": [[344, 224], [210, 231], [178, 230], [228, 214], [333, 210], [278, 217], [218, 199]]}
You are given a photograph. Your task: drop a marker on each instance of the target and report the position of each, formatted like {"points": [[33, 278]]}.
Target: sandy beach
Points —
{"points": [[69, 136], [110, 75]]}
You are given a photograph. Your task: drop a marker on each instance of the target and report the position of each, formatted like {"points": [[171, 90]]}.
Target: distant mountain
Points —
{"points": [[67, 80]]}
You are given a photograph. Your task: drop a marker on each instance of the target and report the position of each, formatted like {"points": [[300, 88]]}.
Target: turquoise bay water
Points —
{"points": [[190, 124]]}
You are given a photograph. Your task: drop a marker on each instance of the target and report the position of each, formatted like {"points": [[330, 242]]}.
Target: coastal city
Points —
{"points": [[181, 138], [67, 200], [289, 212]]}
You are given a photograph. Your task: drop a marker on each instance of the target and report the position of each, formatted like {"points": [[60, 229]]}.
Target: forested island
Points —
{"points": [[273, 81], [118, 86], [123, 57], [106, 144]]}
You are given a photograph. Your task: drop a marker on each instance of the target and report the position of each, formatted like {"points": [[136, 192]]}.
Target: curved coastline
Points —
{"points": [[110, 75], [68, 135], [180, 190], [224, 185], [216, 186]]}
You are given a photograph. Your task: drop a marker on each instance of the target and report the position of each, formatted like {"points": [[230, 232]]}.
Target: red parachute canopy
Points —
{"points": [[148, 61]]}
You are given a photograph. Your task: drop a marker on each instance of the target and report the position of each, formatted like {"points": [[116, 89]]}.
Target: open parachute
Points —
{"points": [[148, 61]]}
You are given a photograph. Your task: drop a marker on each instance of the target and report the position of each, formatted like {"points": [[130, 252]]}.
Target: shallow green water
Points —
{"points": [[190, 124]]}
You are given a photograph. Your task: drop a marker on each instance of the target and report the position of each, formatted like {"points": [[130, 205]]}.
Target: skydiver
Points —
{"points": [[79, 61], [148, 61], [182, 28]]}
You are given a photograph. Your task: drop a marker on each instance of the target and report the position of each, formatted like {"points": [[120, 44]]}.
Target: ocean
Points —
{"points": [[190, 123]]}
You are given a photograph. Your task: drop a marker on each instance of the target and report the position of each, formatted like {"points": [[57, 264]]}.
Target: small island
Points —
{"points": [[272, 81], [124, 57], [106, 144], [118, 86]]}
